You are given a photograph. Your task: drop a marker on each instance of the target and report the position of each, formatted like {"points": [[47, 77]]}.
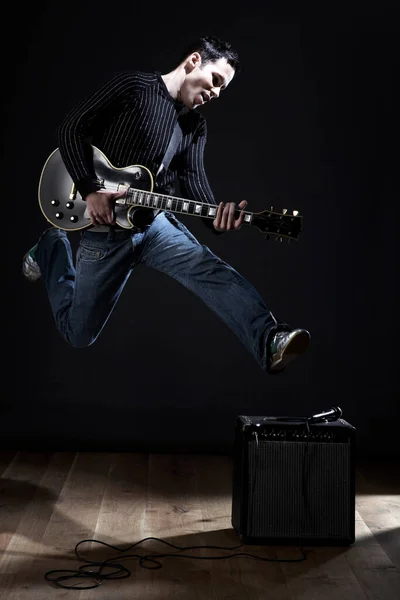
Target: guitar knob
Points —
{"points": [[55, 203], [59, 215], [70, 205], [73, 219]]}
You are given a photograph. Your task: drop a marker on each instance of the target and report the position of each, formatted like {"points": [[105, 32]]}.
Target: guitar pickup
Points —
{"points": [[121, 187]]}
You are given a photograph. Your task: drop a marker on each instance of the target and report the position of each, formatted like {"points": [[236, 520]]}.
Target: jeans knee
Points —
{"points": [[79, 340]]}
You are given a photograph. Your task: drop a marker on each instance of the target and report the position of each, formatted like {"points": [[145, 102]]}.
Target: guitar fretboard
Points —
{"points": [[174, 204]]}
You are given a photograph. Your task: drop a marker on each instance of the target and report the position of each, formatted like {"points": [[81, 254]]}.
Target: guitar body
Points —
{"points": [[61, 203]]}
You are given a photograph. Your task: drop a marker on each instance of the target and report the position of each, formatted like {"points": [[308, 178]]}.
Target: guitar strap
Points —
{"points": [[144, 216], [170, 151]]}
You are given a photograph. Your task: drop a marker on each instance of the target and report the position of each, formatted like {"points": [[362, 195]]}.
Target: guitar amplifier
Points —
{"points": [[293, 481]]}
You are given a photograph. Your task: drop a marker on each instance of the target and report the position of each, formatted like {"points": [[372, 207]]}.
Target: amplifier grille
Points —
{"points": [[276, 505]]}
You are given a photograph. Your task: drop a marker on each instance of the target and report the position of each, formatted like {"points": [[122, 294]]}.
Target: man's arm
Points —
{"points": [[77, 128], [194, 183], [192, 175]]}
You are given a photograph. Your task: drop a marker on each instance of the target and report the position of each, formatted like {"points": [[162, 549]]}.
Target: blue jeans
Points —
{"points": [[82, 298]]}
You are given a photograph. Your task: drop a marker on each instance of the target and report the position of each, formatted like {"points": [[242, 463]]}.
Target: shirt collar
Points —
{"points": [[180, 107]]}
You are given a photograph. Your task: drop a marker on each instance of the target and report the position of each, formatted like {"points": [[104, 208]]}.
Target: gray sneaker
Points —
{"points": [[30, 268], [285, 346]]}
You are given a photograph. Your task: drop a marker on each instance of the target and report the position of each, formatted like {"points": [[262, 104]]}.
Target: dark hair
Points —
{"points": [[211, 49]]}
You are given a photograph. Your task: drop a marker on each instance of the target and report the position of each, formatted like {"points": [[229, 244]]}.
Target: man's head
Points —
{"points": [[211, 49], [209, 65]]}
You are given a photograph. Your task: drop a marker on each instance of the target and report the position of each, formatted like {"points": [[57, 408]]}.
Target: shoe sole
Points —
{"points": [[296, 346], [32, 274], [28, 272]]}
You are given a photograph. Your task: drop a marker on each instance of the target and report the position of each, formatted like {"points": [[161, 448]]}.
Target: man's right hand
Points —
{"points": [[100, 206]]}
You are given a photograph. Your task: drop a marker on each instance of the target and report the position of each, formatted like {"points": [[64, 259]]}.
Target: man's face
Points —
{"points": [[205, 82]]}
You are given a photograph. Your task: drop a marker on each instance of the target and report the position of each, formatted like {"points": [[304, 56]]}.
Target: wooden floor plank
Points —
{"points": [[172, 503], [376, 573], [379, 510], [173, 514], [6, 458], [121, 522], [26, 542], [18, 485]]}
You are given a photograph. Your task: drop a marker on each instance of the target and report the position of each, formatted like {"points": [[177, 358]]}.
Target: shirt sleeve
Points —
{"points": [[75, 131], [192, 175]]}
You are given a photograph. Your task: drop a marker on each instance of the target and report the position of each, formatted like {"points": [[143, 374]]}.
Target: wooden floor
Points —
{"points": [[51, 501]]}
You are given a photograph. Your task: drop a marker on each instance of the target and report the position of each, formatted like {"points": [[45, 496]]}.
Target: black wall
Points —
{"points": [[311, 123]]}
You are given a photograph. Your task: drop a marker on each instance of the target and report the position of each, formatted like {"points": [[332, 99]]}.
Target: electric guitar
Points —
{"points": [[63, 207]]}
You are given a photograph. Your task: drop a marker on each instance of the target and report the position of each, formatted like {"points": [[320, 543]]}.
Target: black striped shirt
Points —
{"points": [[130, 119]]}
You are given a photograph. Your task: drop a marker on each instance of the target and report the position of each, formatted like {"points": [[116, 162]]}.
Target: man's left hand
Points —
{"points": [[225, 219]]}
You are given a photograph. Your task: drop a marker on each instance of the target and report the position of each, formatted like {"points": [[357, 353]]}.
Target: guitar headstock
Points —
{"points": [[280, 225]]}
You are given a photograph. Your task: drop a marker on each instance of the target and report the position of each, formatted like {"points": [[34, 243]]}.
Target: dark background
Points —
{"points": [[311, 123]]}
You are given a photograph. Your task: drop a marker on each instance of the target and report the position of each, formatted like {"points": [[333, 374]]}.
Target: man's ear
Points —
{"points": [[192, 61]]}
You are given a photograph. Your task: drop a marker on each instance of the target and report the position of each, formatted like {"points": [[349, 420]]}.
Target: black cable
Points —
{"points": [[88, 570], [303, 478]]}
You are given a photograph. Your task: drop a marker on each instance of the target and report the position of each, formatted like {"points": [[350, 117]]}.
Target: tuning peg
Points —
{"points": [[295, 213], [272, 208], [284, 211]]}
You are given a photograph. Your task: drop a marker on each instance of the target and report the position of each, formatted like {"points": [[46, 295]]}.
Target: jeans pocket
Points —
{"points": [[88, 253]]}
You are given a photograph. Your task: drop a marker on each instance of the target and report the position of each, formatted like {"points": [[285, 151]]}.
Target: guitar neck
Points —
{"points": [[135, 197]]}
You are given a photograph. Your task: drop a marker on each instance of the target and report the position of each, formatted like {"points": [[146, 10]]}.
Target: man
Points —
{"points": [[131, 119]]}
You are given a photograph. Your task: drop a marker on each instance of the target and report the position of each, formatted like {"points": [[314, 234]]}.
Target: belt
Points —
{"points": [[142, 218], [107, 228]]}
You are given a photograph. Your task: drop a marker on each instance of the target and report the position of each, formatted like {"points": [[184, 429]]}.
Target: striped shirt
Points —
{"points": [[130, 119]]}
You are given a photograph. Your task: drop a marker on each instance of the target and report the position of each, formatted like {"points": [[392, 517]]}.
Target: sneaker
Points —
{"points": [[285, 346], [30, 268]]}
